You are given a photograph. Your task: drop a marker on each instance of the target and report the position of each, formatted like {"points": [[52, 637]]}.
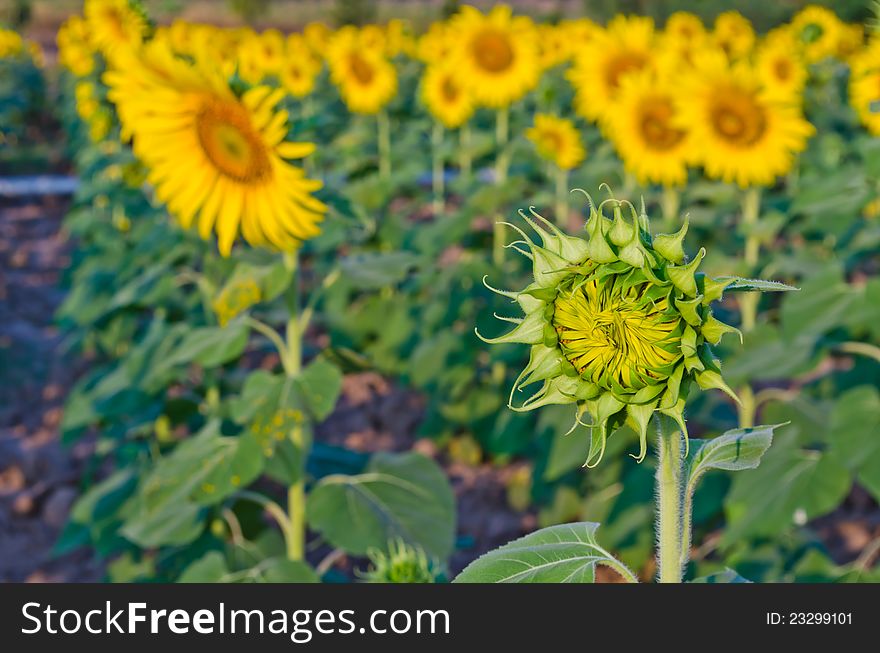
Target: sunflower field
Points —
{"points": [[290, 251]]}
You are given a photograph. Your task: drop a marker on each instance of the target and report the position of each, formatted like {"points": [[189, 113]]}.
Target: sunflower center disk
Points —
{"points": [[657, 128], [361, 69], [493, 51], [231, 144], [612, 339], [739, 120]]}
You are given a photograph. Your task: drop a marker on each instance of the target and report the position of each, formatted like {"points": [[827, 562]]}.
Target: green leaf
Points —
{"points": [[211, 346], [398, 495], [210, 568], [282, 570], [855, 425], [734, 450], [320, 384], [371, 271], [726, 576], [791, 486], [201, 471], [747, 285], [566, 553]]}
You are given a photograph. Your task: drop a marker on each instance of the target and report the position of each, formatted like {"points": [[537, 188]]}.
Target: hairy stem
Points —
{"points": [[502, 135], [669, 501], [437, 172]]}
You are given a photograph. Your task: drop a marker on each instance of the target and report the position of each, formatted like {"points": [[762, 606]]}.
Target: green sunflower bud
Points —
{"points": [[618, 323]]}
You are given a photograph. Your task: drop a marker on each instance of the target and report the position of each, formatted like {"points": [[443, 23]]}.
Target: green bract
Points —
{"points": [[619, 322]]}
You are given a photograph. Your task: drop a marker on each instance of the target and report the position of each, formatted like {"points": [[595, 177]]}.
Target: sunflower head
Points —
{"points": [[446, 96], [115, 25], [401, 564], [619, 323], [366, 79], [557, 140], [734, 34], [818, 31]]}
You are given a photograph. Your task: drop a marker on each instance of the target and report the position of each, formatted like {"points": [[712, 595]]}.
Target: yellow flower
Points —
{"points": [[436, 44], [818, 31], [367, 81], [647, 132], [74, 48], [743, 135], [114, 25], [600, 66], [448, 100], [299, 68], [317, 35], [555, 45], [11, 43], [734, 33], [86, 100], [780, 68], [850, 42], [557, 140], [497, 54], [684, 35], [218, 160], [864, 86], [267, 49]]}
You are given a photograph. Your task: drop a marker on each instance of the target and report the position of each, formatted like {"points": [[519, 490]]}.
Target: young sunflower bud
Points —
{"points": [[619, 323]]}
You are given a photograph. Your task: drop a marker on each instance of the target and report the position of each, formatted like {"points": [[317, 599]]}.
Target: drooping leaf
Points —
{"points": [[566, 553], [398, 495]]}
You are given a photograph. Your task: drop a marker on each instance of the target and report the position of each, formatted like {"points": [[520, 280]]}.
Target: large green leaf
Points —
{"points": [[791, 486], [378, 270], [734, 450], [398, 495], [200, 472], [855, 434], [319, 385], [566, 553], [211, 346]]}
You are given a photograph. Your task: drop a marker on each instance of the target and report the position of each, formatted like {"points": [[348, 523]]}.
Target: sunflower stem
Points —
{"points": [[437, 172], [670, 203], [751, 209], [464, 150], [384, 144], [502, 135], [296, 493], [670, 520], [561, 175]]}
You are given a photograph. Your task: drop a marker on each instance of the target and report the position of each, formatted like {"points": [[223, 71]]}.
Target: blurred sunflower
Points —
{"points": [[683, 35], [852, 37], [497, 54], [435, 44], [625, 47], [817, 30], [268, 49], [317, 35], [448, 100], [557, 140], [299, 68], [74, 47], [11, 43], [734, 34], [864, 86], [367, 81], [647, 131], [743, 135], [781, 69], [221, 161], [555, 45], [114, 24]]}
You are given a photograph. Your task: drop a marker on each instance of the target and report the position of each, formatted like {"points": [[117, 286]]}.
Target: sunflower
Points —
{"points": [[684, 35], [497, 54], [864, 86], [555, 45], [219, 160], [448, 100], [318, 36], [852, 37], [367, 81], [625, 47], [114, 25], [780, 68], [743, 135], [11, 43], [734, 34], [557, 140], [299, 68], [268, 50], [647, 132], [818, 30], [435, 44], [74, 47]]}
